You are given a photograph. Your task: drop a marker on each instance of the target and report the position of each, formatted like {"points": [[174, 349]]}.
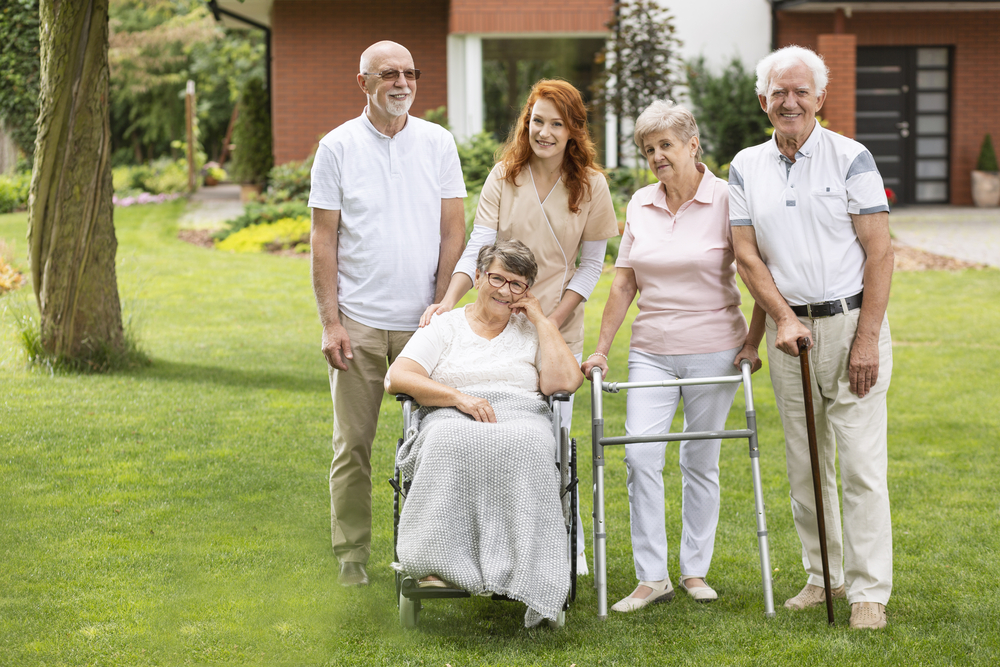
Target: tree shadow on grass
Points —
{"points": [[176, 371]]}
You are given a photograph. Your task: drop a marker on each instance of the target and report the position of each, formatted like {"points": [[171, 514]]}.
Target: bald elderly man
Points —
{"points": [[388, 226]]}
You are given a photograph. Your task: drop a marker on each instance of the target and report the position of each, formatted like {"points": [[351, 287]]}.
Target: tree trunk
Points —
{"points": [[71, 231]]}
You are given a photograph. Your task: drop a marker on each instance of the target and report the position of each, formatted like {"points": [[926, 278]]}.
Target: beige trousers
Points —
{"points": [[357, 396], [852, 428]]}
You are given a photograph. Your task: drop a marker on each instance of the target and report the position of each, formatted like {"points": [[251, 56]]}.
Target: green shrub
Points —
{"points": [[252, 158], [256, 213], [438, 116], [727, 109], [162, 176], [987, 156], [478, 155], [290, 182], [279, 235], [14, 190]]}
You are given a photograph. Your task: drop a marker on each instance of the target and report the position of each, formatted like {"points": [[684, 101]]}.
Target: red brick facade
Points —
{"points": [[975, 64], [841, 55], [526, 16], [316, 48]]}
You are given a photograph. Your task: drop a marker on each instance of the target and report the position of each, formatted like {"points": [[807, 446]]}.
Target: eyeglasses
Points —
{"points": [[393, 74], [498, 281]]}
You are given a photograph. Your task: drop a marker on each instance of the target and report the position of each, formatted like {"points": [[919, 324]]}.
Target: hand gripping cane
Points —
{"points": [[817, 483]]}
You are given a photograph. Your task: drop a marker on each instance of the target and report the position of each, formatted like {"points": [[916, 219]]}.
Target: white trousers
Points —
{"points": [[650, 411], [853, 428]]}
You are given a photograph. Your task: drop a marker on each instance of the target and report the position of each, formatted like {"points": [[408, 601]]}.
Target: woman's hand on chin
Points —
{"points": [[477, 408], [527, 304]]}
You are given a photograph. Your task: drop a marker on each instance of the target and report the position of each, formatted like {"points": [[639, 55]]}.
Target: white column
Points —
{"points": [[610, 140], [465, 85]]}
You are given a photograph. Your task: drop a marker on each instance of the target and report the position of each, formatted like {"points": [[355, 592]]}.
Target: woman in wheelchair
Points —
{"points": [[483, 511]]}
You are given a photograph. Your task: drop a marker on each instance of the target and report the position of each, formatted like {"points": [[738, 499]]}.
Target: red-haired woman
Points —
{"points": [[547, 192]]}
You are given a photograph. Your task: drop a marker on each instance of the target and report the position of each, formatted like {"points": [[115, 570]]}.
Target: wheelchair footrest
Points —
{"points": [[411, 590]]}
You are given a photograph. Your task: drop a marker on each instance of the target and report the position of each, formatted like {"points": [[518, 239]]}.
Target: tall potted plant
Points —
{"points": [[252, 157], [986, 176]]}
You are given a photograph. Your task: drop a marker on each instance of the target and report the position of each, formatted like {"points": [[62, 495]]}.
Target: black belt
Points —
{"points": [[828, 308]]}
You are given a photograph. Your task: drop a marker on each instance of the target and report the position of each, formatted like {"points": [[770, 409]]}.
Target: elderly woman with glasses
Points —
{"points": [[677, 254], [483, 511]]}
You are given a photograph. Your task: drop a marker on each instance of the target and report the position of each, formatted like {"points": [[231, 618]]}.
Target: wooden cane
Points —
{"points": [[817, 483]]}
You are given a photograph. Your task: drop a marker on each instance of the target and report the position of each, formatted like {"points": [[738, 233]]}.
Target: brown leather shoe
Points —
{"points": [[811, 596], [867, 616], [353, 574]]}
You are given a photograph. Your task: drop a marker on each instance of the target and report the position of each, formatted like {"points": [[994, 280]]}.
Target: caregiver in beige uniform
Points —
{"points": [[547, 192]]}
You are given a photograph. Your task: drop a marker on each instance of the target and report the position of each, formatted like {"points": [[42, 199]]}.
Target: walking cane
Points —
{"points": [[817, 483]]}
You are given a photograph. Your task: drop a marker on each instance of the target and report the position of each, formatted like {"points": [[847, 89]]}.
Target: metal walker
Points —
{"points": [[599, 442]]}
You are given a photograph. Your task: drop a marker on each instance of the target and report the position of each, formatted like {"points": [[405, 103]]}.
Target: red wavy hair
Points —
{"points": [[580, 154]]}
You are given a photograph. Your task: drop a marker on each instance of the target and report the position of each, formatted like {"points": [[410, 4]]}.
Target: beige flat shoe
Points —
{"points": [[698, 593], [663, 591], [868, 616], [811, 596]]}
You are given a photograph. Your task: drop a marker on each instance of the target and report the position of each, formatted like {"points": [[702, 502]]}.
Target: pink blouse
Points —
{"points": [[685, 269]]}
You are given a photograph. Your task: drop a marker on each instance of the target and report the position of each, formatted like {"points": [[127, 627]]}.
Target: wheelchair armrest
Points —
{"points": [[405, 397], [561, 396]]}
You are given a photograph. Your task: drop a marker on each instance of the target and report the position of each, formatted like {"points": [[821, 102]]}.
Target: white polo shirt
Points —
{"points": [[388, 191], [801, 212]]}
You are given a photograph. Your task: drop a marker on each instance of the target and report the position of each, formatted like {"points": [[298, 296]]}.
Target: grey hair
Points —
{"points": [[660, 116], [777, 63], [514, 256]]}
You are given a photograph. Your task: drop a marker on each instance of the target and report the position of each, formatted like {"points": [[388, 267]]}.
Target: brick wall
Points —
{"points": [[316, 48], [841, 55], [519, 16], [975, 67]]}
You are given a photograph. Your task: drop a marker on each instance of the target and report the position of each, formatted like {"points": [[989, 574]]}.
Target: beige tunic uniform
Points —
{"points": [[553, 232]]}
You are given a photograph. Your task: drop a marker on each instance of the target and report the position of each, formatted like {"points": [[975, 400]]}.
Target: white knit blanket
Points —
{"points": [[483, 511]]}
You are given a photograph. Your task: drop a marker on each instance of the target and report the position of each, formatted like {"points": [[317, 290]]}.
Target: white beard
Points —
{"points": [[397, 108]]}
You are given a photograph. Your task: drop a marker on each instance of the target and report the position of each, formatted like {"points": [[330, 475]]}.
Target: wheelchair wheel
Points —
{"points": [[409, 611], [560, 620]]}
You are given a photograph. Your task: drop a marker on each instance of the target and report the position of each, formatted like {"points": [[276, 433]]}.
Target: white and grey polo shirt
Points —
{"points": [[801, 212]]}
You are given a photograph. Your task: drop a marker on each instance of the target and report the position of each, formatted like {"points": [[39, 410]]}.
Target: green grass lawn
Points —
{"points": [[179, 514]]}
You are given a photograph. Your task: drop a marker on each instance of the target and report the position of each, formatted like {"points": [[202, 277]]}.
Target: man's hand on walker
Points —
{"points": [[337, 346]]}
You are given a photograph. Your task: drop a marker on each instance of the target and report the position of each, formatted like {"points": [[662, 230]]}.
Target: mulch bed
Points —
{"points": [[198, 237], [912, 259]]}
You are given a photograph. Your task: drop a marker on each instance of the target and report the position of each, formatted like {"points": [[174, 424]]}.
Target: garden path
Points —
{"points": [[967, 233], [209, 207]]}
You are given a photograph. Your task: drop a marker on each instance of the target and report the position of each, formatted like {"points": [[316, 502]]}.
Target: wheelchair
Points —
{"points": [[409, 596]]}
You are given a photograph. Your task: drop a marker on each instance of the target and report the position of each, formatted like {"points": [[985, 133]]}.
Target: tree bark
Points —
{"points": [[71, 230]]}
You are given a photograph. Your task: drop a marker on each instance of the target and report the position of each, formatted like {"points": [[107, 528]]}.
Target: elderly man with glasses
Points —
{"points": [[811, 232], [388, 226]]}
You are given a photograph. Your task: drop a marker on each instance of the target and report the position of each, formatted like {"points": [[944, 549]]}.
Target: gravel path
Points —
{"points": [[969, 234]]}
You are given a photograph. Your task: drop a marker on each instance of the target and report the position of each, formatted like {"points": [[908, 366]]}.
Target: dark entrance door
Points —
{"points": [[903, 96]]}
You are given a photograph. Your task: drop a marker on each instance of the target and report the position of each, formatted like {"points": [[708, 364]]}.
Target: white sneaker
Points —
{"points": [[581, 564]]}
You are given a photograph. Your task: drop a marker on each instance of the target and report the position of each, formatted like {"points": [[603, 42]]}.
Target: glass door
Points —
{"points": [[903, 118]]}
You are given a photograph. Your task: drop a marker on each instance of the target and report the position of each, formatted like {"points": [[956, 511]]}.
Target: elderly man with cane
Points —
{"points": [[811, 233]]}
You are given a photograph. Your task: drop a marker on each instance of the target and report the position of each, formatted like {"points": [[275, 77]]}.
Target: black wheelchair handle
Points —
{"points": [[561, 396], [402, 398]]}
